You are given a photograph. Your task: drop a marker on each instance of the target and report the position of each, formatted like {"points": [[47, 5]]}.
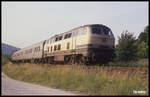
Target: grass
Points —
{"points": [[91, 80], [5, 59], [141, 62]]}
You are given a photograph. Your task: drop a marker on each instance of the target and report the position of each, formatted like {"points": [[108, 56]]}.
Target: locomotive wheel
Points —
{"points": [[67, 58], [81, 59], [72, 59]]}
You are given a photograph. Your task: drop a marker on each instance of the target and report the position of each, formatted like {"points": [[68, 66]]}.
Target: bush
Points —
{"points": [[142, 50], [126, 50], [143, 36], [143, 43]]}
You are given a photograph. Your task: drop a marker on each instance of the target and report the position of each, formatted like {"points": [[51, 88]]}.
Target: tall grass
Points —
{"points": [[141, 62], [5, 59], [91, 80]]}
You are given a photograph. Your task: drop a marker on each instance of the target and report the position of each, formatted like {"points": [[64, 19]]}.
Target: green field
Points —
{"points": [[91, 80], [5, 59]]}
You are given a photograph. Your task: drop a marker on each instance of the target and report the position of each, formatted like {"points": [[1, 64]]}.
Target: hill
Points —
{"points": [[8, 49]]}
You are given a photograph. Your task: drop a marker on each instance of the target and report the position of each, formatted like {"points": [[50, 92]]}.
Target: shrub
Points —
{"points": [[126, 50]]}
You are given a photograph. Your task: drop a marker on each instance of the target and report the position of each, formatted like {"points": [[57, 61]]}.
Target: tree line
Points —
{"points": [[129, 48]]}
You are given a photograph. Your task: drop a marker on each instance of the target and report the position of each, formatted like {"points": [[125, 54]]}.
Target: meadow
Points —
{"points": [[90, 80]]}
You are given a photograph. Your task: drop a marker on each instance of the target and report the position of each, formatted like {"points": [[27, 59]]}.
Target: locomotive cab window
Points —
{"points": [[106, 31], [96, 30], [110, 33]]}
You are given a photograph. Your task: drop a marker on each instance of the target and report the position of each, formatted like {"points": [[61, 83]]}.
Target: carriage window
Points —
{"points": [[51, 48], [68, 44], [60, 38], [48, 49], [55, 47], [56, 39], [36, 49], [69, 35], [59, 47], [66, 36], [39, 48]]}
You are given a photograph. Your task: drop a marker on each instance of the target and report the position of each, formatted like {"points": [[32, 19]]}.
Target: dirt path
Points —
{"points": [[14, 87]]}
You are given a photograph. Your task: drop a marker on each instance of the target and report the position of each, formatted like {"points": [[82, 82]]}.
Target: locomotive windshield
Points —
{"points": [[101, 30], [96, 30]]}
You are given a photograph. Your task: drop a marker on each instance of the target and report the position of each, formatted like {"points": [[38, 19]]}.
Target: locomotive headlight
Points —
{"points": [[104, 39]]}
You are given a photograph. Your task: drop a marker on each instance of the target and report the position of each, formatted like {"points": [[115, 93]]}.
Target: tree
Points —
{"points": [[142, 50], [143, 36], [126, 50], [143, 43]]}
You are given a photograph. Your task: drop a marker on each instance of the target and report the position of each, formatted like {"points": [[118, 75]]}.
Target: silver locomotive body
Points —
{"points": [[89, 43]]}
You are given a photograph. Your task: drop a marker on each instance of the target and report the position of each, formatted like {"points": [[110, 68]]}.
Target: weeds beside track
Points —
{"points": [[91, 80]]}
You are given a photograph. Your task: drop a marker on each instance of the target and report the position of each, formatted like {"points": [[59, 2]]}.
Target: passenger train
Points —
{"points": [[85, 44]]}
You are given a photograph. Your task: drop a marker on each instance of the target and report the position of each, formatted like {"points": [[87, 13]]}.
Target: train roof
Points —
{"points": [[28, 47], [75, 29]]}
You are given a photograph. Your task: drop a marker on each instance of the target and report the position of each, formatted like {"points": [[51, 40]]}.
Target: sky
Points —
{"points": [[27, 23]]}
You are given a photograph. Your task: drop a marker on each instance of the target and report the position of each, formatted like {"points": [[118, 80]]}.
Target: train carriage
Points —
{"points": [[33, 53]]}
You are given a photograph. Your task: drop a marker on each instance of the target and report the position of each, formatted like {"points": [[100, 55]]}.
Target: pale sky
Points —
{"points": [[26, 23]]}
